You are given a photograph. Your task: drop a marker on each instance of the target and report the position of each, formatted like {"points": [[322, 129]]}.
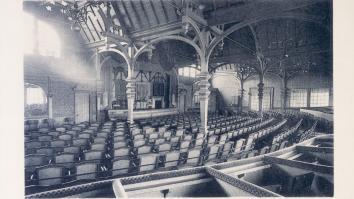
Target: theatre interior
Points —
{"points": [[178, 98]]}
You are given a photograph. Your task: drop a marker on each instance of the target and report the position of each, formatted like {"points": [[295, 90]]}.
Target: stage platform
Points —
{"points": [[141, 114]]}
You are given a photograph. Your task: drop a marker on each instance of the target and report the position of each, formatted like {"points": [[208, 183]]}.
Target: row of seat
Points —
{"points": [[285, 134]]}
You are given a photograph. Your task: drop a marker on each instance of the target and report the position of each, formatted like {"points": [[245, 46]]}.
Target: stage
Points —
{"points": [[141, 114]]}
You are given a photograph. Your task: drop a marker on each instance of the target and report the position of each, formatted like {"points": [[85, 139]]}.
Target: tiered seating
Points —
{"points": [[92, 151], [285, 134]]}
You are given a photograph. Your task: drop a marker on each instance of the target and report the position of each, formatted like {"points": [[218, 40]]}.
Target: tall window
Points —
{"points": [[188, 72], [40, 37], [319, 97], [266, 101], [298, 98], [35, 101]]}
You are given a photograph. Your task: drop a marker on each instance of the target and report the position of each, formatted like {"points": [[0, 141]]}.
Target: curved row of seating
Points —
{"points": [[285, 134]]}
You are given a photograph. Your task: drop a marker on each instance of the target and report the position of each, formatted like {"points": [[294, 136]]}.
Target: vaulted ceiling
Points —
{"points": [[295, 32]]}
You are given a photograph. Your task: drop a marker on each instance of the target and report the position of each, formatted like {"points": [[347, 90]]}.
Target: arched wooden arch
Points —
{"points": [[126, 58], [304, 17], [169, 37]]}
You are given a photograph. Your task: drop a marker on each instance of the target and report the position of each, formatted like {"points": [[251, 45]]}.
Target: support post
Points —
{"points": [[204, 99], [285, 93], [260, 95], [241, 96], [130, 98]]}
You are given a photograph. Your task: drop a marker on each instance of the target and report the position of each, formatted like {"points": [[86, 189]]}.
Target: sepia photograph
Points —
{"points": [[177, 98]]}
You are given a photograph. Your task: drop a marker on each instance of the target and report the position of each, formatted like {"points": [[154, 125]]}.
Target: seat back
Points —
{"points": [[33, 144], [46, 151], [120, 166], [98, 147], [65, 137], [171, 159], [84, 135], [72, 149], [54, 134], [57, 143], [81, 142], [43, 138], [119, 144], [239, 145], [33, 161], [50, 175], [86, 170], [193, 157], [165, 147], [121, 152], [99, 140], [213, 152], [159, 141], [72, 133], [138, 143], [184, 146], [102, 135], [144, 149], [93, 155], [147, 162], [66, 160]]}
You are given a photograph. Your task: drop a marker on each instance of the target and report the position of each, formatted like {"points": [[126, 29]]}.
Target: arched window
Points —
{"points": [[35, 101], [188, 71], [39, 37]]}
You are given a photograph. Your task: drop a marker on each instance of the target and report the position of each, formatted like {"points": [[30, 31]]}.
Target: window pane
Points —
{"points": [[298, 98], [319, 97]]}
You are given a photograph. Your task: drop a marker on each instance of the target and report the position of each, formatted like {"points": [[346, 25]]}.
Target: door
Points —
{"points": [[82, 108]]}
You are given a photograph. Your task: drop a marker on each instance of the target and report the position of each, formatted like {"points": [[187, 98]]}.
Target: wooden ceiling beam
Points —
{"points": [[152, 15], [132, 15], [159, 11], [241, 13], [142, 15]]}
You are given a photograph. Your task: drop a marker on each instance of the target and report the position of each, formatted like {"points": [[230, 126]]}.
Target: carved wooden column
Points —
{"points": [[241, 96], [130, 98], [285, 93], [204, 99], [260, 94]]}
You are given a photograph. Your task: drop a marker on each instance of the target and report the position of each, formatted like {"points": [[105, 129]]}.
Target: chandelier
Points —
{"points": [[76, 11]]}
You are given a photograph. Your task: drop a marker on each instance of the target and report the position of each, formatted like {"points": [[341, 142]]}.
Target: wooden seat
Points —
{"points": [[50, 175], [84, 135], [35, 160], [120, 166], [118, 138], [33, 144], [165, 147], [66, 160], [193, 157], [80, 142], [98, 146], [147, 162], [184, 146], [87, 170], [58, 143], [99, 140], [46, 151], [43, 138], [143, 149], [54, 134], [72, 149], [159, 141], [172, 159], [93, 155], [213, 152], [121, 152]]}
